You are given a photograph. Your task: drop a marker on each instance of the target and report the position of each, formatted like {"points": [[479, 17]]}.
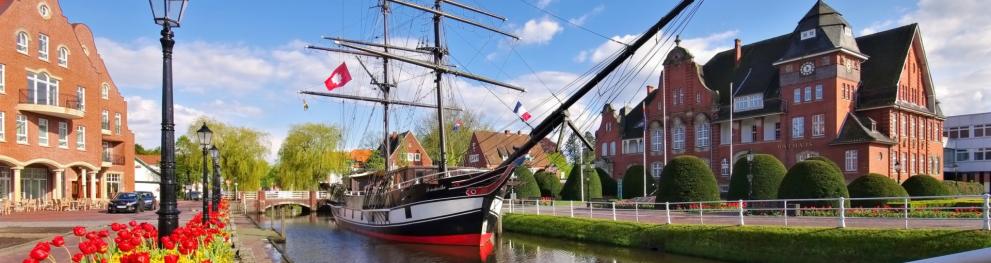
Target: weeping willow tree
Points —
{"points": [[242, 153], [308, 155], [458, 140]]}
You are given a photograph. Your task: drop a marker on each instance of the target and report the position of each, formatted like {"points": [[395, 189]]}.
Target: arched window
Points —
{"points": [[22, 42], [701, 131], [63, 56], [656, 139], [724, 167], [105, 91], [678, 135], [42, 89]]}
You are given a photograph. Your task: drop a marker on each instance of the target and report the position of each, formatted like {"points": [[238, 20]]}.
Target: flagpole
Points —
{"points": [[664, 118], [732, 94], [643, 143]]}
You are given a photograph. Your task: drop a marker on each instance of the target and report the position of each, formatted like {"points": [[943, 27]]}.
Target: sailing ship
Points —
{"points": [[437, 205]]}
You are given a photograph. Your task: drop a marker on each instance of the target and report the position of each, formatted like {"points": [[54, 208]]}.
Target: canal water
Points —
{"points": [[318, 239]]}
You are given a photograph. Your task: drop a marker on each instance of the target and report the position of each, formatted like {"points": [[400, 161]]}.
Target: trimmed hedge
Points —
{"points": [[924, 185], [633, 182], [608, 183], [549, 184], [687, 179], [964, 188], [768, 172], [527, 185], [758, 243], [824, 159], [572, 187], [874, 185], [813, 179]]}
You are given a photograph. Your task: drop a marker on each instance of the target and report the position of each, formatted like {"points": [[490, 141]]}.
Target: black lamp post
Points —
{"points": [[167, 13], [750, 174], [205, 135], [215, 154], [898, 170]]}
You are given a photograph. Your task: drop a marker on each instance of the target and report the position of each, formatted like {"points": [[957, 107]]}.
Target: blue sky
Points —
{"points": [[243, 63]]}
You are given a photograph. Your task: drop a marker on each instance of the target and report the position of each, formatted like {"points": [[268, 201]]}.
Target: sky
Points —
{"points": [[244, 64]]}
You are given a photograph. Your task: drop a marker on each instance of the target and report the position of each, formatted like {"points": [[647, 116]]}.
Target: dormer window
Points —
{"points": [[748, 102], [807, 34]]}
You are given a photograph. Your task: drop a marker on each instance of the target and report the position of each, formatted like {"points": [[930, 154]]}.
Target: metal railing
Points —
{"points": [[956, 212], [116, 159], [28, 97]]}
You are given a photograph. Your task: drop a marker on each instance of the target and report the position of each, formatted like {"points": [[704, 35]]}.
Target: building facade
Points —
{"points": [[406, 151], [147, 174], [63, 123], [867, 103], [489, 149], [968, 148]]}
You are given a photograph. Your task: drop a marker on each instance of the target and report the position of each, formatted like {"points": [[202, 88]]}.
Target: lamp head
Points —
{"points": [[168, 12], [205, 135]]}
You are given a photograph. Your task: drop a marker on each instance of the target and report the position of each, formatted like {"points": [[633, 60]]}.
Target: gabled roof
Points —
{"points": [[831, 32], [150, 159], [151, 167], [360, 155], [497, 145], [880, 74], [855, 130], [394, 141]]}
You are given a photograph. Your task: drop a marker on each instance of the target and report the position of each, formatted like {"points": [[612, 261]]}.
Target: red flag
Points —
{"points": [[338, 78]]}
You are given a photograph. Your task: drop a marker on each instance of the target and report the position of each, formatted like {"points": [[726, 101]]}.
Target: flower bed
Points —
{"points": [[136, 242]]}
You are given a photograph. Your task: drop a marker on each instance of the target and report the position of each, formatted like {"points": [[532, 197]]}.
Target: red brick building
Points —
{"points": [[489, 149], [406, 151], [63, 123], [867, 103]]}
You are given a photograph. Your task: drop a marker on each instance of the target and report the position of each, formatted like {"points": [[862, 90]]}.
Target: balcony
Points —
{"points": [[112, 159], [52, 106]]}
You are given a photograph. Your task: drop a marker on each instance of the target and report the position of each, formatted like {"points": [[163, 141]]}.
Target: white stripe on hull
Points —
{"points": [[418, 212]]}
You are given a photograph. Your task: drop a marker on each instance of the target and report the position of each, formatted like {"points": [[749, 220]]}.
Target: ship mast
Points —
{"points": [[385, 87]]}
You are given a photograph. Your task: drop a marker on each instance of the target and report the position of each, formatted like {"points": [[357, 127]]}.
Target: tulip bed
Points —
{"points": [[135, 242]]}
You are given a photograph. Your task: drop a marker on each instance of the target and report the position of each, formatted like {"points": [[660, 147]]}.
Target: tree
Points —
{"points": [[608, 183], [549, 183], [138, 149], [308, 155], [526, 185], [574, 146], [572, 189], [687, 179], [633, 182], [767, 173], [457, 141], [559, 161], [375, 162], [187, 169], [813, 179], [924, 185], [874, 185], [242, 152]]}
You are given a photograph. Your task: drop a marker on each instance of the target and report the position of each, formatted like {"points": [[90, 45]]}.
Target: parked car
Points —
{"points": [[148, 199], [193, 195], [125, 201]]}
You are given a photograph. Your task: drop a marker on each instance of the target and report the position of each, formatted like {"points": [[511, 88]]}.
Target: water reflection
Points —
{"points": [[318, 239]]}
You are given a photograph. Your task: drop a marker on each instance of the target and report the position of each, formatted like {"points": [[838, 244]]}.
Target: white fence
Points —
{"points": [[284, 195], [958, 212]]}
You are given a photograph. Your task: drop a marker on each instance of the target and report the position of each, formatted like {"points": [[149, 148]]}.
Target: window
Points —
{"points": [[413, 157], [81, 98], [701, 132], [656, 168], [678, 136], [612, 148], [818, 125], [982, 154], [807, 34], [117, 123], [604, 150], [34, 182], [43, 47], [963, 155], [22, 42], [745, 131], [892, 130], [42, 132], [42, 89], [808, 94], [656, 139], [911, 127], [982, 130], [798, 127], [113, 184], [3, 78], [901, 125], [105, 91], [22, 129], [3, 128], [749, 102], [913, 167], [63, 135], [63, 57], [851, 160], [105, 120], [798, 95], [80, 138], [473, 158], [633, 146], [724, 168], [805, 155], [777, 130], [818, 91]]}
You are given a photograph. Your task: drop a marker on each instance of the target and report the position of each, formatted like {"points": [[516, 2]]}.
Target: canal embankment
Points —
{"points": [[758, 243], [255, 244]]}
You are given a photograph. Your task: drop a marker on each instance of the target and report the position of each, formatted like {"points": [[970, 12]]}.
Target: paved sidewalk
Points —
{"points": [[254, 245]]}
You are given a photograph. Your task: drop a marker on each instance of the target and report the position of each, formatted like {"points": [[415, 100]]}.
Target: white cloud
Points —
{"points": [[703, 48], [581, 19], [538, 31], [544, 3], [144, 118]]}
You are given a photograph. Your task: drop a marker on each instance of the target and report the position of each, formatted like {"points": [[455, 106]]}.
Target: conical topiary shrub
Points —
{"points": [[549, 183], [572, 189], [526, 185], [767, 173], [813, 179], [633, 182], [687, 179], [609, 185]]}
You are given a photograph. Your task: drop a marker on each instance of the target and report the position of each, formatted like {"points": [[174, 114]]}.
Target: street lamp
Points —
{"points": [[237, 196], [215, 154], [898, 170], [750, 173], [205, 136], [167, 13]]}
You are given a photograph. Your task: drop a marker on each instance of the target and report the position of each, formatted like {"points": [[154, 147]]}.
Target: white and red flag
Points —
{"points": [[519, 110], [338, 78]]}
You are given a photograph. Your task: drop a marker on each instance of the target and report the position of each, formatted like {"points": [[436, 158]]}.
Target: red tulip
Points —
{"points": [[171, 258], [43, 246], [103, 233], [169, 244], [38, 254], [116, 227], [79, 231], [132, 223], [92, 235], [58, 241], [125, 247], [77, 258]]}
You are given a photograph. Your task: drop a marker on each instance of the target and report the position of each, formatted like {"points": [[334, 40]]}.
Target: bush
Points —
{"points": [[607, 182], [572, 187], [924, 185], [964, 188], [549, 184], [633, 182], [824, 159], [767, 175], [759, 243], [687, 179], [874, 185], [813, 179], [526, 185]]}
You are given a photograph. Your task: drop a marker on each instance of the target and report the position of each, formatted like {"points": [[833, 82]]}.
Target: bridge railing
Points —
{"points": [[253, 195], [250, 195]]}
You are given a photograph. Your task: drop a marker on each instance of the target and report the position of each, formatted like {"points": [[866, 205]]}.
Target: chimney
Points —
{"points": [[518, 132], [650, 89], [505, 131], [739, 52]]}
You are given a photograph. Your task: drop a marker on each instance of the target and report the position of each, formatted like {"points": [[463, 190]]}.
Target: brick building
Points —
{"points": [[406, 151], [867, 103], [63, 123], [489, 149]]}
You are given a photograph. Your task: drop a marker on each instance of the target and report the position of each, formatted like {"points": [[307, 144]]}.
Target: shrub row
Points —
{"points": [[759, 243], [964, 188]]}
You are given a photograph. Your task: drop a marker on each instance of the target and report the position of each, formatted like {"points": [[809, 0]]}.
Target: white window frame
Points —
{"points": [[43, 47], [3, 79], [798, 127], [45, 90], [818, 92], [851, 160], [22, 129], [656, 140], [43, 132], [81, 138], [105, 120], [808, 94], [604, 151], [63, 135], [797, 95], [612, 148], [81, 98], [105, 91], [678, 137], [702, 134], [818, 125], [23, 42], [656, 168], [117, 123], [808, 34], [3, 127], [724, 167], [63, 56]]}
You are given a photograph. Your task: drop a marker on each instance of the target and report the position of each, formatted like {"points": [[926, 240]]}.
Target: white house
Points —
{"points": [[968, 150], [147, 174]]}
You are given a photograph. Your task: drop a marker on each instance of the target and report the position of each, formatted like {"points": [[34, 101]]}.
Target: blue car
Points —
{"points": [[126, 202]]}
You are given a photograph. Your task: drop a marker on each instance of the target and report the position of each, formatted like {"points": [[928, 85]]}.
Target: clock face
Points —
{"points": [[807, 68]]}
